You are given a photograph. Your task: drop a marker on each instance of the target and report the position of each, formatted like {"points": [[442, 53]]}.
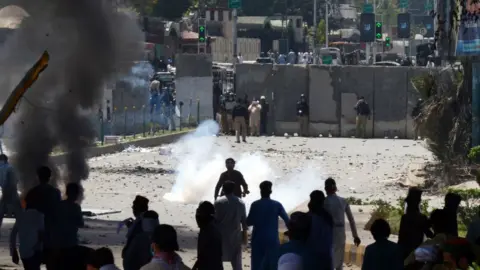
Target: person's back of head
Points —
{"points": [[73, 191], [380, 229], [330, 185], [150, 221], [165, 239], [299, 226], [266, 189], [228, 187], [44, 173], [140, 204], [452, 200], [3, 158], [101, 257], [317, 199]]}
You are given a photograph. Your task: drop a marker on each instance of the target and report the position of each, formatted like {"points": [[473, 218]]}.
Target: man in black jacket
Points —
{"points": [[415, 113], [240, 115], [263, 115], [209, 245], [303, 112], [363, 114]]}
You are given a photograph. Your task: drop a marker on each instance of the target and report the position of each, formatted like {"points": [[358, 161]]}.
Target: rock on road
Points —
{"points": [[362, 168]]}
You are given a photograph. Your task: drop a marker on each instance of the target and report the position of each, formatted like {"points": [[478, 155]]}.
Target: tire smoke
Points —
{"points": [[201, 160], [89, 43]]}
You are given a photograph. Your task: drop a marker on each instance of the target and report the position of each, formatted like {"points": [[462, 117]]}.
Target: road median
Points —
{"points": [[146, 142]]}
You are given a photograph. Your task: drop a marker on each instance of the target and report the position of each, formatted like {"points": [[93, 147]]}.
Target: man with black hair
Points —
{"points": [[46, 199], [232, 175], [321, 235], [209, 246], [10, 201], [383, 254], [165, 247], [69, 220], [452, 202], [102, 259], [338, 207], [138, 254], [231, 217], [295, 254], [363, 114], [263, 216], [139, 207], [240, 117], [303, 114], [30, 227]]}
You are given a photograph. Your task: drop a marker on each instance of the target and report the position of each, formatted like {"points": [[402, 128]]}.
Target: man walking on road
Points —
{"points": [[231, 216], [263, 216], [232, 175], [338, 207], [363, 114], [303, 112], [240, 115]]}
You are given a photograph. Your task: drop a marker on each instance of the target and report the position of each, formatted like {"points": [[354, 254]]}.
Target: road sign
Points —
{"points": [[327, 59], [367, 8], [234, 4], [403, 25], [403, 4], [367, 27]]}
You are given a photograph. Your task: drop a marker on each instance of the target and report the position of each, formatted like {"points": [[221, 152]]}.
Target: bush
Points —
{"points": [[474, 153], [471, 205]]}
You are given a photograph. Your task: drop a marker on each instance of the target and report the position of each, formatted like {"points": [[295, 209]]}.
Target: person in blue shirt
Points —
{"points": [[263, 216], [295, 254], [321, 234], [383, 254]]}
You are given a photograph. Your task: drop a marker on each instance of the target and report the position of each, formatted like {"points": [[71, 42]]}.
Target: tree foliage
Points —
{"points": [[320, 33], [145, 6], [171, 10]]}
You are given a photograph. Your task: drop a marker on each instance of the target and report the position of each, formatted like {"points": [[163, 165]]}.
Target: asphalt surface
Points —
{"points": [[366, 169]]}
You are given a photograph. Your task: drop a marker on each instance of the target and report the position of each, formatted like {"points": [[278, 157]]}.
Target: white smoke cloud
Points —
{"points": [[201, 160]]}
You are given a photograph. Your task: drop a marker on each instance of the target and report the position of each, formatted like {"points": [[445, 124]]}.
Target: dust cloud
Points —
{"points": [[201, 160]]}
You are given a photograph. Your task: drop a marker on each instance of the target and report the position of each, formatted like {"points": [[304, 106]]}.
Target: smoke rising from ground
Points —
{"points": [[201, 160], [89, 44]]}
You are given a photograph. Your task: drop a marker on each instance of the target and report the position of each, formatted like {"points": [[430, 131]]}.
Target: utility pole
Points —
{"points": [[235, 36], [367, 45], [315, 27], [326, 24], [374, 49]]}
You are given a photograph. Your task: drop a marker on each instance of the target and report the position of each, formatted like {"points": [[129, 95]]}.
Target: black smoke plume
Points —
{"points": [[90, 42]]}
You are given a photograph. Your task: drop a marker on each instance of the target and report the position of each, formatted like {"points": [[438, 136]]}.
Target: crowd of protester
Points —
{"points": [[47, 229]]}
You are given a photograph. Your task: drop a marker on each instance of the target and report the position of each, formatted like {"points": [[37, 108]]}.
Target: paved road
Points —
{"points": [[364, 169]]}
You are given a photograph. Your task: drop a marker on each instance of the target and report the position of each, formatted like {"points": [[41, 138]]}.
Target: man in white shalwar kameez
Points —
{"points": [[338, 207]]}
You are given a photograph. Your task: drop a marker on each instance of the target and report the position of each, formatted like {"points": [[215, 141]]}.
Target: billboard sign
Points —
{"points": [[468, 42]]}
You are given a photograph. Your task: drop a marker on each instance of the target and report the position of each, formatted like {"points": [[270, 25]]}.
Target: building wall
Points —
{"points": [[222, 49]]}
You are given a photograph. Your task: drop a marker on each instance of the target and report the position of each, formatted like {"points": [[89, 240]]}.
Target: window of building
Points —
{"points": [[212, 15], [220, 16], [299, 23]]}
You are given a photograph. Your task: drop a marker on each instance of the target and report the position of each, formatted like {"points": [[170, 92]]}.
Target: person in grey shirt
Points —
{"points": [[231, 217]]}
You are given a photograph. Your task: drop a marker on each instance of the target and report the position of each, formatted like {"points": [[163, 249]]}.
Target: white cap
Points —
{"points": [[262, 97], [290, 261]]}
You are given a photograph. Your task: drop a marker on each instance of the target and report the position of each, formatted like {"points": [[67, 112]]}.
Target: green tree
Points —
{"points": [[320, 33], [146, 5], [171, 10]]}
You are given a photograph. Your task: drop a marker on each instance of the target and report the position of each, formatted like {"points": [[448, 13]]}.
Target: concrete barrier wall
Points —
{"points": [[332, 92]]}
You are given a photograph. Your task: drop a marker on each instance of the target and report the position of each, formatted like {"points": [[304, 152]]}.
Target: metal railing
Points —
{"points": [[145, 120]]}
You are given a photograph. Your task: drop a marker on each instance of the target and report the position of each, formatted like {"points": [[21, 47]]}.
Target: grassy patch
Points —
{"points": [[393, 213]]}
